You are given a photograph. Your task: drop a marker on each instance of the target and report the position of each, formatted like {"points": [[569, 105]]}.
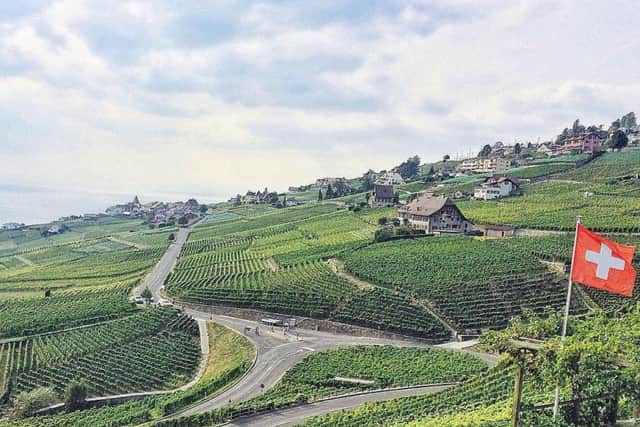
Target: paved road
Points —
{"points": [[158, 275], [295, 415], [276, 352]]}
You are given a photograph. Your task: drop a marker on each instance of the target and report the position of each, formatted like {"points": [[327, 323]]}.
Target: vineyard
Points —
{"points": [[622, 168], [347, 370], [438, 270], [230, 356], [554, 205], [485, 390], [153, 349]]}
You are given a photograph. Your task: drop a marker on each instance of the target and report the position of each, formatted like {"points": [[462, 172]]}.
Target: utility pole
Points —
{"points": [[517, 392]]}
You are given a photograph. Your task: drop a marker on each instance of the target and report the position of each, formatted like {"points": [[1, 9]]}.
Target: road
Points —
{"points": [[295, 415], [158, 275], [276, 352]]}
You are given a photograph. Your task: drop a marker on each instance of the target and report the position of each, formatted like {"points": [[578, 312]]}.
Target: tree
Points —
{"points": [[319, 195], [171, 237], [432, 171], [75, 395], [27, 403], [517, 149], [617, 140], [367, 197], [566, 133], [382, 235], [628, 120], [183, 220], [367, 182], [329, 193], [410, 168], [204, 208], [577, 128], [47, 293], [382, 220], [486, 150], [146, 294], [396, 198], [446, 157]]}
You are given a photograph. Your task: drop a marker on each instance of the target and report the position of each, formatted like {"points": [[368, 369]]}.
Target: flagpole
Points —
{"points": [[556, 401]]}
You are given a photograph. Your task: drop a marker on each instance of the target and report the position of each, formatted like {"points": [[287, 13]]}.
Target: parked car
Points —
{"points": [[138, 299], [165, 303]]}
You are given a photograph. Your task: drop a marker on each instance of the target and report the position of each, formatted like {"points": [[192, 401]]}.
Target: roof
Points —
{"points": [[382, 191], [497, 179], [427, 205]]}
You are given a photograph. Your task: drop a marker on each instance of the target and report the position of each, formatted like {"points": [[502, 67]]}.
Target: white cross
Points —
{"points": [[605, 261]]}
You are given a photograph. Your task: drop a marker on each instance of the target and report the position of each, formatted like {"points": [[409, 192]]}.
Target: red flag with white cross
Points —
{"points": [[603, 264]]}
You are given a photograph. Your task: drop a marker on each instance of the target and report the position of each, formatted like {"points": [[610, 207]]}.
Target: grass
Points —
{"points": [[227, 350]]}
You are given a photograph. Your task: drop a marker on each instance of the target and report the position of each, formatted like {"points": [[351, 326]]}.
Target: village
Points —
{"points": [[426, 212]]}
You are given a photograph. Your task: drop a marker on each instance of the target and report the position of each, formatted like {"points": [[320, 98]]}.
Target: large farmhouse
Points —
{"points": [[434, 215], [383, 195], [496, 187]]}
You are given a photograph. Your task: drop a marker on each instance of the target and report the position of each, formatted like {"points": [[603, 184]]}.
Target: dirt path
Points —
{"points": [[24, 260], [273, 265], [338, 267]]}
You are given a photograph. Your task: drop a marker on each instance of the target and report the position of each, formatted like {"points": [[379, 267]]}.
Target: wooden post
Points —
{"points": [[517, 392]]}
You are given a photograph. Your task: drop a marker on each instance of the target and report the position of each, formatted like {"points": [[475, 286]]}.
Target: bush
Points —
{"points": [[75, 395], [382, 235], [28, 402]]}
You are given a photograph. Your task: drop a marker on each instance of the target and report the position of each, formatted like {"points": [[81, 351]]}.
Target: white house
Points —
{"points": [[390, 178], [496, 187]]}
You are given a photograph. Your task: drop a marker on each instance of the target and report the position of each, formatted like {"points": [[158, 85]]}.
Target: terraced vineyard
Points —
{"points": [[230, 356], [152, 349], [438, 270], [494, 387], [63, 310], [352, 369], [622, 167], [278, 268], [554, 205]]}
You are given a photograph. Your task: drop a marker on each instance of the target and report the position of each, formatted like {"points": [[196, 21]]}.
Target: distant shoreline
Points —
{"points": [[35, 207]]}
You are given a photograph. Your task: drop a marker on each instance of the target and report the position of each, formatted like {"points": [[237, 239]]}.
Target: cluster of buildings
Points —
{"points": [[490, 164], [159, 214], [10, 226], [584, 143]]}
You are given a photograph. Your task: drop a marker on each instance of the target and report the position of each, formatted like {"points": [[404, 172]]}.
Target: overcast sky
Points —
{"points": [[222, 96]]}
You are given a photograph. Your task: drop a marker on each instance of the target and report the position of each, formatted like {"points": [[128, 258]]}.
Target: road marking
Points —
{"points": [[308, 348]]}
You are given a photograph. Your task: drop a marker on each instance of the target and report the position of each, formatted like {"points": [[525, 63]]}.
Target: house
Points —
{"points": [[390, 178], [291, 202], [497, 231], [12, 226], [585, 143], [324, 183], [469, 164], [383, 195], [496, 187], [483, 165], [434, 215], [494, 164]]}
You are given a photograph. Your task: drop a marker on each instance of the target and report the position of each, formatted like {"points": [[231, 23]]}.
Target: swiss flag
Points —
{"points": [[603, 264]]}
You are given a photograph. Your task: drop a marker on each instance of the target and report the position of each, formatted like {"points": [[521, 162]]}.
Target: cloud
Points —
{"points": [[222, 96]]}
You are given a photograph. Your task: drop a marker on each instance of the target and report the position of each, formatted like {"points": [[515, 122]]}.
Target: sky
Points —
{"points": [[218, 97]]}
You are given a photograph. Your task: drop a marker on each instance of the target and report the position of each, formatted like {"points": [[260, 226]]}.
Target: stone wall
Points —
{"points": [[301, 322]]}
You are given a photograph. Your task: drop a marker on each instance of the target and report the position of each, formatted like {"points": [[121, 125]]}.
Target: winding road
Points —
{"points": [[276, 353]]}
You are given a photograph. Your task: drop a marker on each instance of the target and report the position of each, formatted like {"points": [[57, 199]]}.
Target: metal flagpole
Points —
{"points": [[556, 401]]}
